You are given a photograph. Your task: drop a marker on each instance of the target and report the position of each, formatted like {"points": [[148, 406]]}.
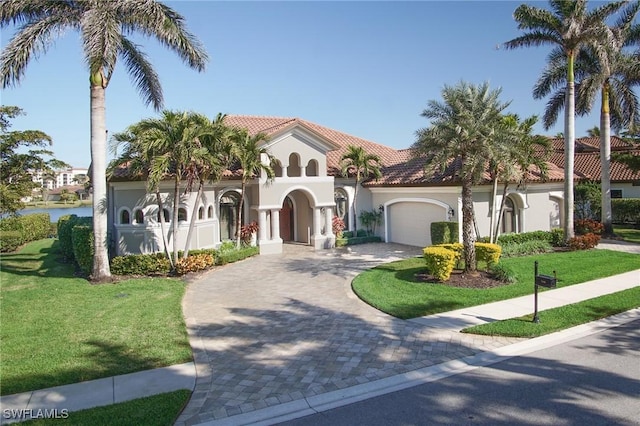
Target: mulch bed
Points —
{"points": [[479, 279]]}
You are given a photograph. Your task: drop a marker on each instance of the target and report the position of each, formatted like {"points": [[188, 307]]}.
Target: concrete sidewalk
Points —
{"points": [[126, 387]]}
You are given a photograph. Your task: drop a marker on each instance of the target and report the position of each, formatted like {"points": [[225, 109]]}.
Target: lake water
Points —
{"points": [[55, 213]]}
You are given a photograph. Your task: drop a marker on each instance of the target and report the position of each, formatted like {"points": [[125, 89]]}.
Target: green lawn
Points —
{"points": [[563, 317], [628, 233], [59, 329], [157, 410], [393, 289]]}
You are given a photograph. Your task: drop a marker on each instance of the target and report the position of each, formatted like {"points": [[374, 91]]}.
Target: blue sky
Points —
{"points": [[364, 68]]}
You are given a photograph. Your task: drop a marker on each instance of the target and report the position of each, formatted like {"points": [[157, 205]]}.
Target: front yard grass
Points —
{"points": [[563, 317], [628, 233], [394, 289], [59, 329], [156, 410]]}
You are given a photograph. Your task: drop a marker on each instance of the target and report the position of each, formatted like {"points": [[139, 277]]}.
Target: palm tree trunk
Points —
{"points": [[355, 208], [165, 243], [101, 271], [174, 221], [492, 208], [467, 227], [192, 223], [569, 148], [239, 216], [605, 163]]}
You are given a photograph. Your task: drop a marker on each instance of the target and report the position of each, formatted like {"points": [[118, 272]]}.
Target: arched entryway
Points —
{"points": [[287, 215], [229, 203]]}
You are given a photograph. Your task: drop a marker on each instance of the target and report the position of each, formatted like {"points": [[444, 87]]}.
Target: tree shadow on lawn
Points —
{"points": [[101, 359], [24, 263]]}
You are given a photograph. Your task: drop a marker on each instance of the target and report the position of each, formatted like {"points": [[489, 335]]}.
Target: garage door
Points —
{"points": [[410, 222]]}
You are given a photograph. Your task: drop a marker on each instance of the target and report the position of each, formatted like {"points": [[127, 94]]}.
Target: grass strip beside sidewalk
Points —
{"points": [[563, 317]]}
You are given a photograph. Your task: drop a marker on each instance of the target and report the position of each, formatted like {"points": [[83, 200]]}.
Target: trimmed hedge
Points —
{"points": [[23, 229], [444, 232], [194, 263], [341, 242], [65, 239], [10, 241], [626, 210], [236, 255], [82, 240], [526, 248], [487, 252], [140, 264]]}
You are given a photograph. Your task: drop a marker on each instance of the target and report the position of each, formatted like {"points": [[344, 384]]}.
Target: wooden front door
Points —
{"points": [[286, 220]]}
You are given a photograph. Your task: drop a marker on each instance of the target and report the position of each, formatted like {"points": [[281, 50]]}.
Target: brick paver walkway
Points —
{"points": [[274, 329]]}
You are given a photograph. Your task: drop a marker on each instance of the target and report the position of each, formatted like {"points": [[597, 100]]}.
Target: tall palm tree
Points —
{"points": [[361, 165], [253, 159], [462, 132], [207, 164], [603, 68], [569, 26], [104, 26]]}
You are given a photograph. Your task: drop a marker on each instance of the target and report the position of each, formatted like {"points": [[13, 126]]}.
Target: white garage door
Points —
{"points": [[410, 222]]}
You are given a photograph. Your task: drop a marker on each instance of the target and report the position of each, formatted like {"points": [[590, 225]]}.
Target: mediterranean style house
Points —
{"points": [[308, 191]]}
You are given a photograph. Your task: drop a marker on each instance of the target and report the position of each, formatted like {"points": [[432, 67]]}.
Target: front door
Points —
{"points": [[286, 220]]}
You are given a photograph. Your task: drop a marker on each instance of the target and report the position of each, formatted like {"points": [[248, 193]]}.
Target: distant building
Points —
{"points": [[66, 177]]}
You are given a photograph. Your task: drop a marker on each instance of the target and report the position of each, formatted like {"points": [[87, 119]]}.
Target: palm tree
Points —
{"points": [[516, 153], [207, 164], [104, 26], [253, 159], [462, 132], [569, 26], [361, 165], [601, 68], [593, 132]]}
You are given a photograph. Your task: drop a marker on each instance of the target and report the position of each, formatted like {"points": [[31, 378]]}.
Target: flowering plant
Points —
{"points": [[247, 230], [337, 226]]}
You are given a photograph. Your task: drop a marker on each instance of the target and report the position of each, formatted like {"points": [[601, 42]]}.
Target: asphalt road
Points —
{"points": [[590, 381]]}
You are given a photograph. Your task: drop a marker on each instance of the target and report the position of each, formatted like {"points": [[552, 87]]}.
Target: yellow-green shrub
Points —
{"points": [[488, 252], [440, 261], [193, 263]]}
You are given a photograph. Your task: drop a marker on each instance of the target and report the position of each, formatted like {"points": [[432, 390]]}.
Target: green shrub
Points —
{"points": [[440, 261], [65, 228], [583, 242], [526, 236], [140, 264], [227, 246], [236, 255], [444, 232], [194, 263], [82, 240], [361, 233], [502, 273], [53, 230], [10, 241], [487, 252], [352, 241], [347, 234], [557, 237], [625, 210], [526, 248], [35, 226]]}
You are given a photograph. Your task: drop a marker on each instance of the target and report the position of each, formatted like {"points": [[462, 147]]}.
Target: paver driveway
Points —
{"points": [[278, 328]]}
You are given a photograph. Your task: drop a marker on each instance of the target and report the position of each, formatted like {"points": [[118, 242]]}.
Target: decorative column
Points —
{"points": [[262, 223], [329, 221], [275, 224], [316, 222]]}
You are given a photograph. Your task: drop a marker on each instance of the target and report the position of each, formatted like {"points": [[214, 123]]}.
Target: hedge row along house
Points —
{"points": [[309, 190]]}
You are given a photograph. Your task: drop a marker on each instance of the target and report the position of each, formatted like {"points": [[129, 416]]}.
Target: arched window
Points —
{"points": [[229, 203], [509, 217], [342, 206], [312, 168], [182, 214], [201, 213], [138, 217], [294, 165], [277, 168], [210, 212], [125, 217], [166, 215]]}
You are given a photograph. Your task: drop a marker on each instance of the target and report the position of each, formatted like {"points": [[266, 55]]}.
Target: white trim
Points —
{"points": [[416, 190], [445, 206], [119, 216], [304, 189]]}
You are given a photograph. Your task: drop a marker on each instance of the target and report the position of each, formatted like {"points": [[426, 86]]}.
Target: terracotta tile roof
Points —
{"points": [[592, 144], [587, 167]]}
